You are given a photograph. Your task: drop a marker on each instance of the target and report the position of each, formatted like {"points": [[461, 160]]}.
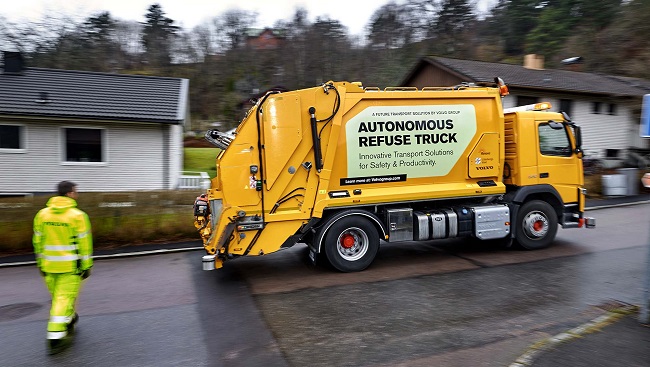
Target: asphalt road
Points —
{"points": [[439, 303]]}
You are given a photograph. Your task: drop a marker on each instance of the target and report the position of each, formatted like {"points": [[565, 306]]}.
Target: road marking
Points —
{"points": [[592, 326]]}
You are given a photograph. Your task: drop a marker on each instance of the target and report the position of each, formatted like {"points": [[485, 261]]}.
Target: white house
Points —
{"points": [[607, 107], [105, 132]]}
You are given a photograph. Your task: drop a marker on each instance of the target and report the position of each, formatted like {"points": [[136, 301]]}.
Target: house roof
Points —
{"points": [[95, 96], [517, 76], [256, 32]]}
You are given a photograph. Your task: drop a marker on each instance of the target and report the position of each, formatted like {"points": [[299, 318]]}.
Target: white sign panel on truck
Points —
{"points": [[408, 141]]}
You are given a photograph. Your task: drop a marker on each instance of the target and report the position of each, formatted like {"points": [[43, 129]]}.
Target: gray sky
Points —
{"points": [[354, 14]]}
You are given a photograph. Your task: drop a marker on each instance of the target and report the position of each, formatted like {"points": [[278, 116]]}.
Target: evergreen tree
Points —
{"points": [[454, 19], [157, 36], [511, 21], [102, 48]]}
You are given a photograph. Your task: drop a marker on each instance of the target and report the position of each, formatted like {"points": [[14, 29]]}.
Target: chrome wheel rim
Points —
{"points": [[352, 244], [535, 225]]}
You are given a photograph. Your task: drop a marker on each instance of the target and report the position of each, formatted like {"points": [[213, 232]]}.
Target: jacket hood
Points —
{"points": [[61, 203]]}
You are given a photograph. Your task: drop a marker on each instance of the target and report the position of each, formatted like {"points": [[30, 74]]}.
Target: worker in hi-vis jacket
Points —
{"points": [[63, 247]]}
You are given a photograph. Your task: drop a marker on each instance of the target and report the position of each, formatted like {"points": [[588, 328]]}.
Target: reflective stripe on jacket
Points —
{"points": [[62, 238]]}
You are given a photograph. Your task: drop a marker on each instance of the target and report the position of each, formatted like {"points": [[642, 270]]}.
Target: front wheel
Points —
{"points": [[351, 244], [536, 225]]}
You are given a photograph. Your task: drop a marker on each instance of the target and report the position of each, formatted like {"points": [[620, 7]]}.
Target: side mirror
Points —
{"points": [[578, 136]]}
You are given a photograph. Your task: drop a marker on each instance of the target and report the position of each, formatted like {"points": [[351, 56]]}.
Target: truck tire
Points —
{"points": [[351, 244], [536, 225]]}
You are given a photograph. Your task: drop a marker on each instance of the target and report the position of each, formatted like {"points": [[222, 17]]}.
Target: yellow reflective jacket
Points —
{"points": [[62, 238]]}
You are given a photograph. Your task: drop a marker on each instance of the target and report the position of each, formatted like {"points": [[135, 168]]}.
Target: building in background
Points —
{"points": [[105, 132], [607, 107]]}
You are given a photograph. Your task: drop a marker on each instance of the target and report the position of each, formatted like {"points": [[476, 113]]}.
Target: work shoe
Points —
{"points": [[55, 346], [72, 323]]}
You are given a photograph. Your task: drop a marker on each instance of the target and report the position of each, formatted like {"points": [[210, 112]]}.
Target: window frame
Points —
{"points": [[596, 107], [22, 136], [565, 102], [523, 100], [64, 146], [612, 109]]}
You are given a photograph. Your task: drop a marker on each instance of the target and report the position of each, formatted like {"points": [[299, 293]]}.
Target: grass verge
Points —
{"points": [[201, 160]]}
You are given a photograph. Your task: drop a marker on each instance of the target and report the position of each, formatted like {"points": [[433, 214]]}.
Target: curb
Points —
{"points": [[527, 359], [113, 256], [616, 205]]}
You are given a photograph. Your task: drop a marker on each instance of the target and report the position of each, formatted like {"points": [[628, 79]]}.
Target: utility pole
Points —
{"points": [[644, 313]]}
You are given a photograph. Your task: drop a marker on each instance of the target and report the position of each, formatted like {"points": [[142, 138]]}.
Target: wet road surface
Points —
{"points": [[420, 304]]}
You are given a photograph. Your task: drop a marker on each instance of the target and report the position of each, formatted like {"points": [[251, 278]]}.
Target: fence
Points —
{"points": [[117, 218], [194, 180]]}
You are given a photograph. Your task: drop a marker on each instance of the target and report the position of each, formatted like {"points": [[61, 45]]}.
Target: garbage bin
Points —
{"points": [[632, 180], [614, 185]]}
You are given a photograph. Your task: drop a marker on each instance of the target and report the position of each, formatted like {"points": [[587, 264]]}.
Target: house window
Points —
{"points": [[612, 109], [83, 145], [595, 108], [12, 138], [525, 100], [566, 105], [554, 142]]}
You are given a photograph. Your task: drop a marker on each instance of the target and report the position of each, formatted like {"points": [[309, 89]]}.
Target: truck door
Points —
{"points": [[558, 164]]}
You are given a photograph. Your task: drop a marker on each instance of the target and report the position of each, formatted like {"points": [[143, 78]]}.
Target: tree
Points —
{"points": [[128, 36], [561, 19], [388, 28], [422, 15], [551, 32], [454, 18], [624, 49], [204, 41], [327, 46], [389, 33], [234, 25], [157, 36], [102, 48], [293, 52], [511, 21]]}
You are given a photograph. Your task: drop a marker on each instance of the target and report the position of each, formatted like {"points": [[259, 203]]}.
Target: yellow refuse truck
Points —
{"points": [[342, 168]]}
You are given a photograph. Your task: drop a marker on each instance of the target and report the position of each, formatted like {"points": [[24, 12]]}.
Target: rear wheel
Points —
{"points": [[536, 225], [351, 244]]}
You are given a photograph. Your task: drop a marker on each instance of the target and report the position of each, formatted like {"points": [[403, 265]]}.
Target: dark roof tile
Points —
{"points": [[549, 79], [93, 95]]}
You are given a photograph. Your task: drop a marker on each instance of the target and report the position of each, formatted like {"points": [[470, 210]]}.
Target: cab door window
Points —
{"points": [[554, 142]]}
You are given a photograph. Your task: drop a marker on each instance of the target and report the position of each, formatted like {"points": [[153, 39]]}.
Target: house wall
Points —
{"points": [[603, 131], [134, 158], [599, 131], [265, 41], [433, 77], [176, 155]]}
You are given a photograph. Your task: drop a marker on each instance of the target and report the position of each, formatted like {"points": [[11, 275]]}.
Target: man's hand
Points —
{"points": [[85, 274]]}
